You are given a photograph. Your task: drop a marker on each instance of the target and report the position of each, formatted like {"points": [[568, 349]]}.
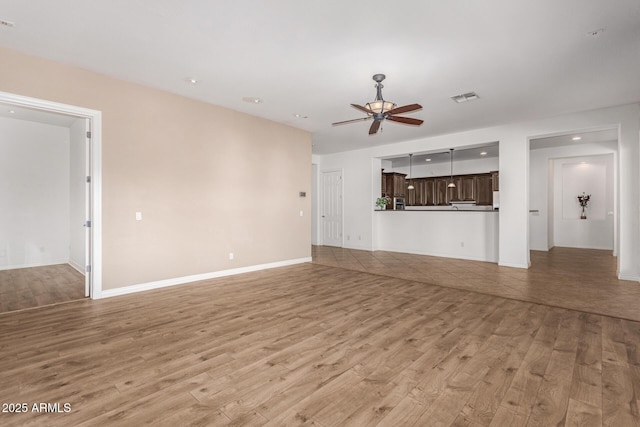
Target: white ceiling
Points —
{"points": [[593, 137], [492, 149], [525, 59], [444, 156]]}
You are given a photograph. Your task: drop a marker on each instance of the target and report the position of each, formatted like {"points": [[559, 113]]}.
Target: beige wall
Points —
{"points": [[207, 180]]}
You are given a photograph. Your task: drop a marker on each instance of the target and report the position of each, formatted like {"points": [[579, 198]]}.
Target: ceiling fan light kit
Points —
{"points": [[380, 110]]}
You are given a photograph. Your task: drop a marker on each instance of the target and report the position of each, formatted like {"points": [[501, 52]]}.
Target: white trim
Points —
{"points": [[96, 171], [196, 277], [78, 268], [39, 264], [513, 265], [631, 278]]}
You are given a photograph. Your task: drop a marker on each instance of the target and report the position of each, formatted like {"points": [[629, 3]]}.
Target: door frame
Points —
{"points": [[321, 210], [94, 159]]}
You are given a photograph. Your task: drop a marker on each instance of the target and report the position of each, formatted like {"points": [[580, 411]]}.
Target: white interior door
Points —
{"points": [[331, 213]]}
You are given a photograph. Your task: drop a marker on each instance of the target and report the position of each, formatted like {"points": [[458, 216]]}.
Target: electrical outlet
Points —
{"points": [[462, 244], [138, 216], [230, 255]]}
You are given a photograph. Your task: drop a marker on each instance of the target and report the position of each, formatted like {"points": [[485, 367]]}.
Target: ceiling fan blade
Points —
{"points": [[361, 119], [361, 108], [406, 120], [405, 109], [374, 127]]}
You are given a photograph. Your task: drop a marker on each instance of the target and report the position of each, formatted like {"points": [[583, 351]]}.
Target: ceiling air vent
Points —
{"points": [[469, 96]]}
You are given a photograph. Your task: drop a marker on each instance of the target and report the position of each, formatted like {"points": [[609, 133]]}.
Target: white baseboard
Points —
{"points": [[44, 264], [513, 265], [195, 278], [77, 267], [629, 277]]}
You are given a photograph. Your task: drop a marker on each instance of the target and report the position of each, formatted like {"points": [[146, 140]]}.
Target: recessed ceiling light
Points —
{"points": [[252, 100], [576, 138], [6, 23], [469, 96], [12, 112], [193, 80], [300, 116], [427, 160], [484, 153]]}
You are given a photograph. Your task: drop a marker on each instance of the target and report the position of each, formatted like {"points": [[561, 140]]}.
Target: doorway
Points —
{"points": [[331, 213], [53, 234], [562, 167]]}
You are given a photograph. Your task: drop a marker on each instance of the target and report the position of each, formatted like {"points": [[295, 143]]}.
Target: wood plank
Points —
{"points": [[317, 345], [517, 404], [551, 403]]}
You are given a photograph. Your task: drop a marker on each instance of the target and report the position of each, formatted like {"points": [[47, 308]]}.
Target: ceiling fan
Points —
{"points": [[380, 110]]}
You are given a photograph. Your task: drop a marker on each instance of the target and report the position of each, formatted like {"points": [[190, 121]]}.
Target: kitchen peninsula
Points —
{"points": [[458, 222]]}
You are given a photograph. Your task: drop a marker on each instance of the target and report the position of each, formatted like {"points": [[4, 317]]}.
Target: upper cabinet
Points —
{"points": [[393, 185], [435, 191], [484, 192], [441, 196], [423, 193], [467, 190], [495, 181], [399, 185]]}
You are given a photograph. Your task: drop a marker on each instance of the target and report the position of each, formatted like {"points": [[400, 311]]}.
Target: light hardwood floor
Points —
{"points": [[25, 288], [321, 345], [578, 279]]}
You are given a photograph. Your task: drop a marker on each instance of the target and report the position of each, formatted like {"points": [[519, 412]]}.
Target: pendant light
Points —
{"points": [[410, 187], [451, 184]]}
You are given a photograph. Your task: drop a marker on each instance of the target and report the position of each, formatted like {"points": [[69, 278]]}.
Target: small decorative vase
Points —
{"points": [[583, 215]]}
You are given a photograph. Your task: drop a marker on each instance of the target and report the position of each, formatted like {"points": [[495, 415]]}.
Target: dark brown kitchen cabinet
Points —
{"points": [[455, 194], [484, 191], [422, 194], [435, 191], [399, 185], [467, 191], [429, 192], [394, 185], [412, 196], [441, 198], [495, 181]]}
